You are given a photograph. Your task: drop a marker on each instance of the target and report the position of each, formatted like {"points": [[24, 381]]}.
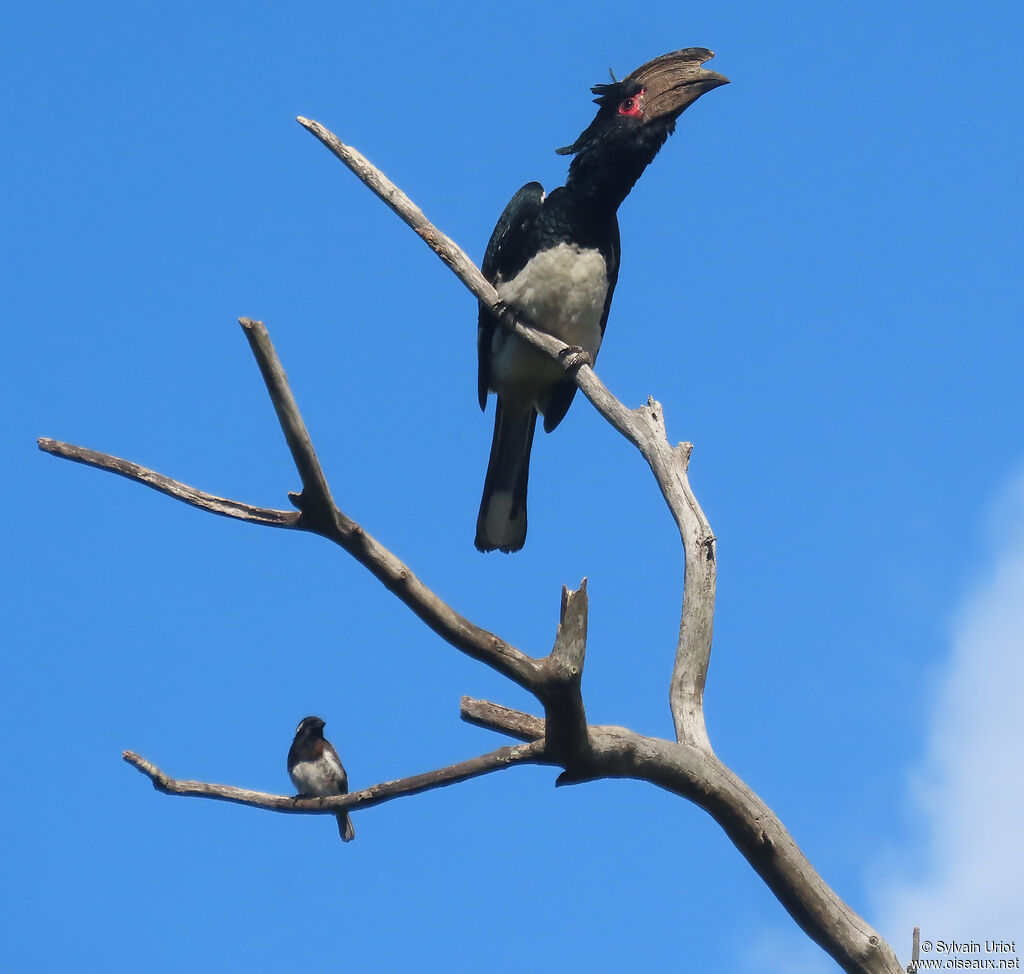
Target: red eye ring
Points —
{"points": [[631, 106]]}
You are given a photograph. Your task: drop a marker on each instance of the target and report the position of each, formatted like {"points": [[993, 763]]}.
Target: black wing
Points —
{"points": [[339, 768], [506, 255]]}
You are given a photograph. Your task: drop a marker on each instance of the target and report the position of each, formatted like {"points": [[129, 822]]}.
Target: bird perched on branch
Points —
{"points": [[555, 260], [316, 770]]}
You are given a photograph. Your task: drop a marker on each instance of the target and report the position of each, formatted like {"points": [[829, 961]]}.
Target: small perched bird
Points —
{"points": [[555, 259], [317, 771]]}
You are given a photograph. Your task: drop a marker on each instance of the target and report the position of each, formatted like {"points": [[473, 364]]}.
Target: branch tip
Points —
{"points": [[504, 720]]}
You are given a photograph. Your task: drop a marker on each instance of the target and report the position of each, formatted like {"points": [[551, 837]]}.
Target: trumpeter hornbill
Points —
{"points": [[555, 259]]}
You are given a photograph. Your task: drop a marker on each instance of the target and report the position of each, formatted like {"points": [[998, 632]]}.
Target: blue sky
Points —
{"points": [[820, 282]]}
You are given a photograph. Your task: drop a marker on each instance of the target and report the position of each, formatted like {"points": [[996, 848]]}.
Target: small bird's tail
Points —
{"points": [[502, 520], [345, 828]]}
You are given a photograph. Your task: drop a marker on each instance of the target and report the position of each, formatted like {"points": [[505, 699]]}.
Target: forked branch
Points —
{"points": [[319, 515], [687, 767]]}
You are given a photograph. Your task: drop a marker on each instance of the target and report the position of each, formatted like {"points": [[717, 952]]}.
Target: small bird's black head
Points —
{"points": [[309, 729]]}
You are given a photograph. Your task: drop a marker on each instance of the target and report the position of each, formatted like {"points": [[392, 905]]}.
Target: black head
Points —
{"points": [[643, 107], [310, 729]]}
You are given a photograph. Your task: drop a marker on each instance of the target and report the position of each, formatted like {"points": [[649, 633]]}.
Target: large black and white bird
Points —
{"points": [[555, 259], [317, 771]]}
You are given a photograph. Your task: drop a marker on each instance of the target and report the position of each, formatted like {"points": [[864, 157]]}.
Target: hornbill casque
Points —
{"points": [[555, 260]]}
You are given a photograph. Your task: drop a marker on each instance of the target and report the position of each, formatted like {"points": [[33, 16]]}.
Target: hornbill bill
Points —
{"points": [[555, 259]]}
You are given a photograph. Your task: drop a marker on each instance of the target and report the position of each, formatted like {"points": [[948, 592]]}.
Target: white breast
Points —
{"points": [[562, 291], [316, 778]]}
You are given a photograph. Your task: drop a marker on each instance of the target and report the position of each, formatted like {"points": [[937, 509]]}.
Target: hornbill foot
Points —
{"points": [[573, 357]]}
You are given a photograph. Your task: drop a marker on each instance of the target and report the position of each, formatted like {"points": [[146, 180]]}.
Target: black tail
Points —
{"points": [[501, 522], [345, 828]]}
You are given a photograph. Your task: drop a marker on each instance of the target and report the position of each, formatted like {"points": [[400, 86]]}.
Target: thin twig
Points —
{"points": [[499, 760], [915, 955], [314, 483], [504, 720], [172, 488]]}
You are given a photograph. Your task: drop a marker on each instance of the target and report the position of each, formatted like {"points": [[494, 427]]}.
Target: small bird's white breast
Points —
{"points": [[562, 291], [316, 778]]}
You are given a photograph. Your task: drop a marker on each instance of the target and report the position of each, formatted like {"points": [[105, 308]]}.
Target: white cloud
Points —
{"points": [[965, 881], [962, 878]]}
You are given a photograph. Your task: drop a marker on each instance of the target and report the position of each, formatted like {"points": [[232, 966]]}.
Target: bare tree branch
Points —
{"points": [[504, 720], [328, 521], [499, 760], [316, 495], [693, 651], [172, 488], [565, 715], [407, 211], [915, 952], [321, 516], [699, 776]]}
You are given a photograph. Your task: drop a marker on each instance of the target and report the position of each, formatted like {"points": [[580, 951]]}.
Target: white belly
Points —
{"points": [[316, 778], [562, 291]]}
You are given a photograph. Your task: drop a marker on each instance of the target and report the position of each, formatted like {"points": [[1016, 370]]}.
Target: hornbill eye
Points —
{"points": [[631, 105]]}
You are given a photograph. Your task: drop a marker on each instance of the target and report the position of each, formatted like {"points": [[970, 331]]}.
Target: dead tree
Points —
{"points": [[562, 738]]}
